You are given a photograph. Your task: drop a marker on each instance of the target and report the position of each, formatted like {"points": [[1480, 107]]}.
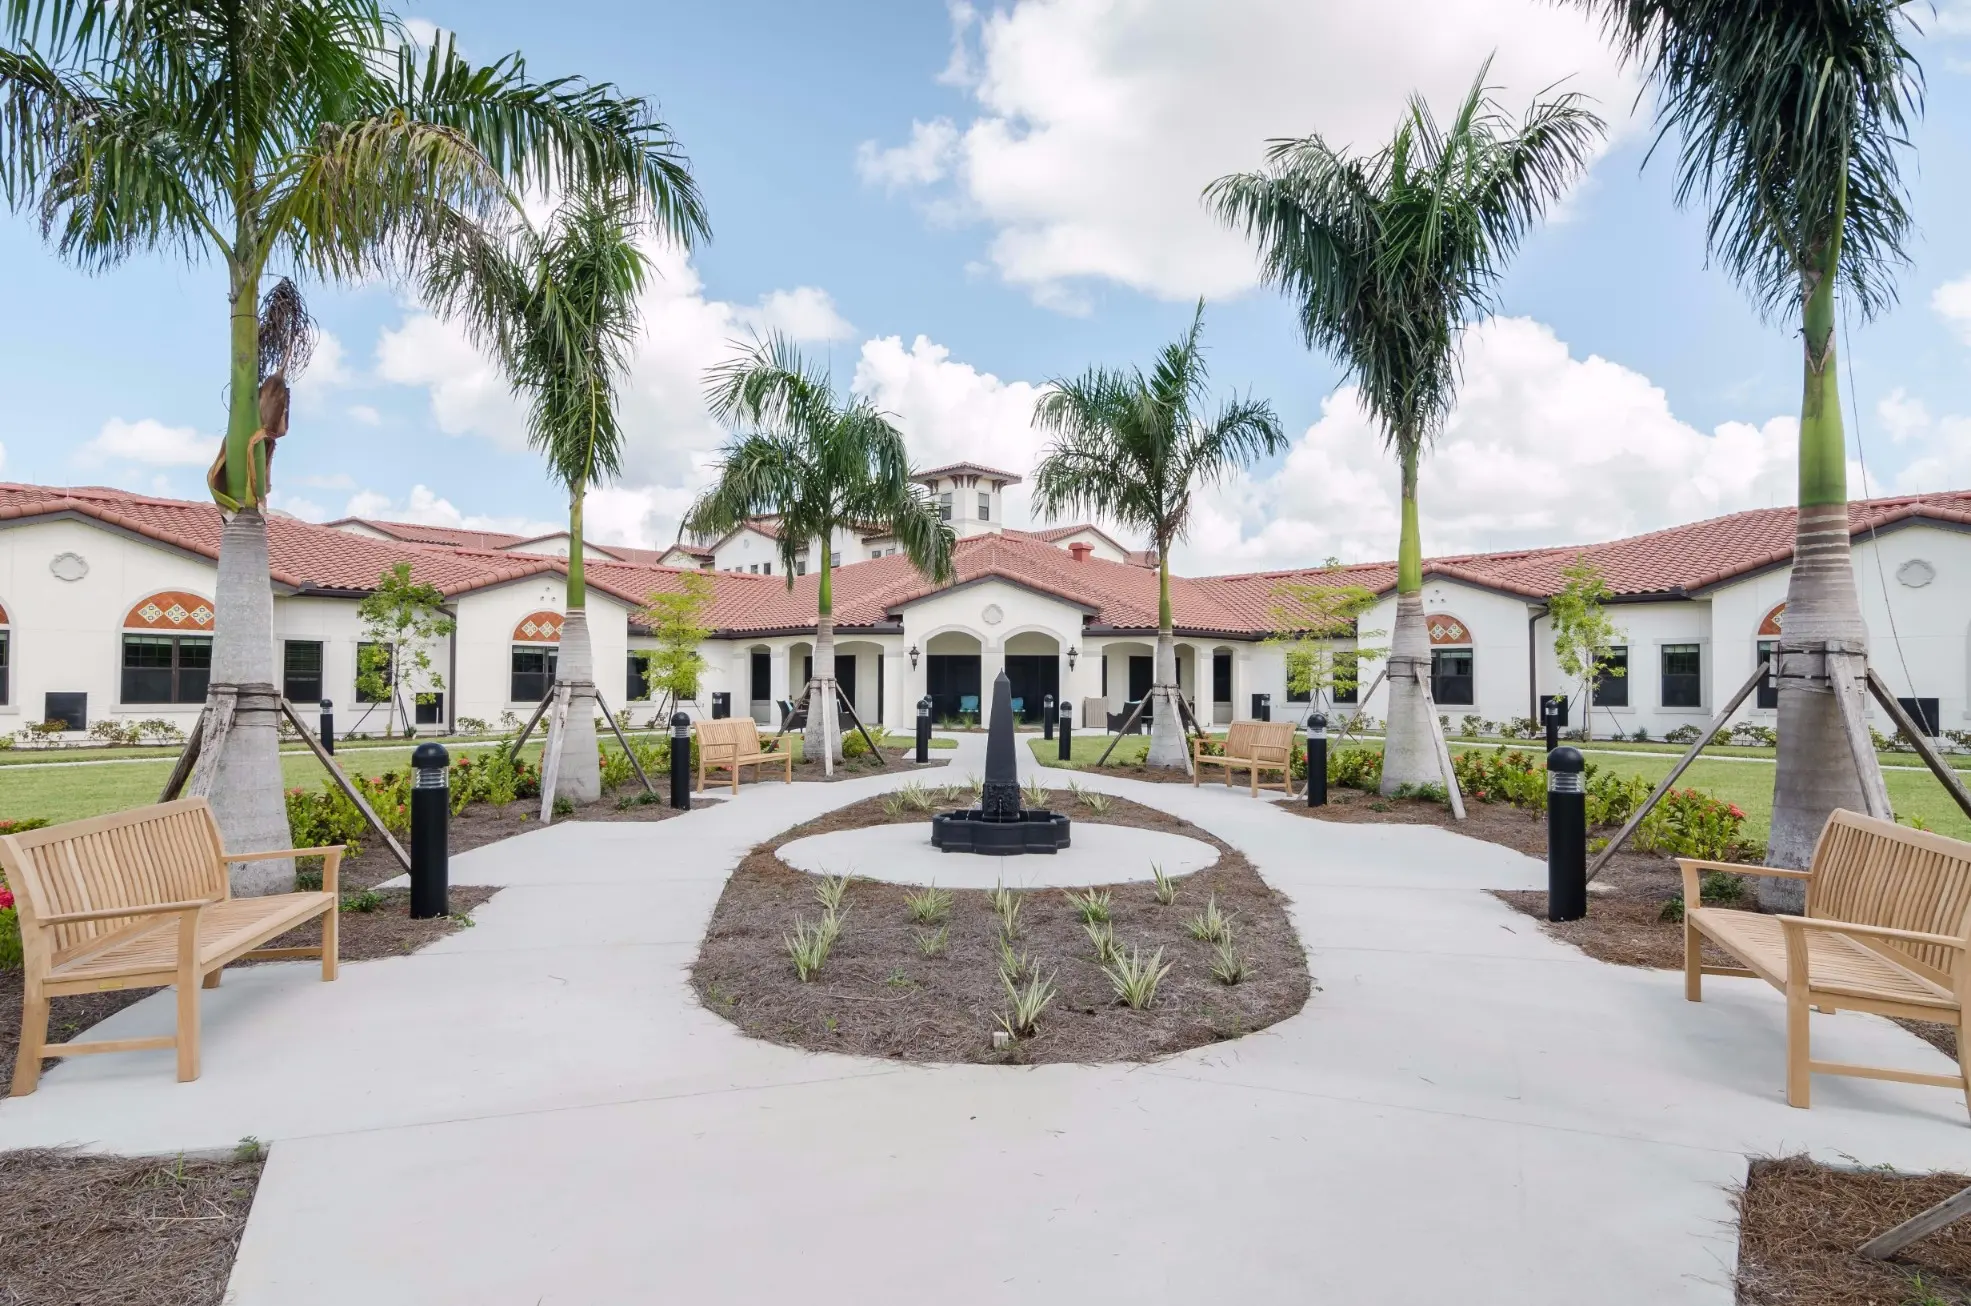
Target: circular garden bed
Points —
{"points": [[921, 976]]}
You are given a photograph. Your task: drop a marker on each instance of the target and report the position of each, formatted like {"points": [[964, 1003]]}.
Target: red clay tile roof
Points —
{"points": [[418, 533], [1011, 478]]}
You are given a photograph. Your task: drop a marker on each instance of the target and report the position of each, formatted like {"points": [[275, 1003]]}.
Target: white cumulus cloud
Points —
{"points": [[150, 442], [425, 507], [1952, 302], [1100, 122]]}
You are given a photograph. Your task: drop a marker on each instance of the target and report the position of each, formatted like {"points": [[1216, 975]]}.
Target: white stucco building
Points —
{"points": [[106, 611]]}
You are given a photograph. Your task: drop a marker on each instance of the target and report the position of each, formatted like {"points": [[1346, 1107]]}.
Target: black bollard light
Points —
{"points": [[680, 762], [1047, 717], [923, 730], [1550, 718], [328, 726], [1317, 760], [1067, 730], [431, 817], [1567, 836]]}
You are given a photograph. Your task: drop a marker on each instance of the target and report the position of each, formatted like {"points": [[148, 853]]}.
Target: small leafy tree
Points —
{"points": [[1319, 626], [401, 617], [676, 619], [1584, 637]]}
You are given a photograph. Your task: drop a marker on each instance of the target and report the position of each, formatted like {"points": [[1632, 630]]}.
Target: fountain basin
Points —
{"points": [[972, 831]]}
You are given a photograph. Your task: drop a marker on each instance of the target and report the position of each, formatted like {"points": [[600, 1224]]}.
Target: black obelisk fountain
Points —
{"points": [[999, 826]]}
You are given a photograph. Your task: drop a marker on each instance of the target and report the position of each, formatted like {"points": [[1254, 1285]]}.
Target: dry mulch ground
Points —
{"points": [[878, 995], [1800, 1223], [850, 768], [77, 1229]]}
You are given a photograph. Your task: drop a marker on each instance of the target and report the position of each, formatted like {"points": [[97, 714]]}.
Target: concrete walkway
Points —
{"points": [[536, 1110]]}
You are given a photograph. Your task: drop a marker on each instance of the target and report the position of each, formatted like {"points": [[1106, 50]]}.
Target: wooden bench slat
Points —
{"points": [[730, 743], [1866, 873], [1253, 746]]}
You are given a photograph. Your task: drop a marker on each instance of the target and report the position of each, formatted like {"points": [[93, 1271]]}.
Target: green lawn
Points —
{"points": [[1748, 784]]}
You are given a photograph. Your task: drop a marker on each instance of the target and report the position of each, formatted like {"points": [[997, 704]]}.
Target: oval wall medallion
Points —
{"points": [[1916, 573], [68, 566], [992, 616]]}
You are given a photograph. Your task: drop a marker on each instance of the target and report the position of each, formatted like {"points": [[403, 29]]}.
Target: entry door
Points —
{"points": [[845, 675], [1141, 674], [1032, 677], [949, 678]]}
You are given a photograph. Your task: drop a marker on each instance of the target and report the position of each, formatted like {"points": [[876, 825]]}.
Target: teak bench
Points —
{"points": [[732, 742], [1255, 745], [1887, 930], [141, 899]]}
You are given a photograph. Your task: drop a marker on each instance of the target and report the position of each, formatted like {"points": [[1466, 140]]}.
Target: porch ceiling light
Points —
{"points": [[1073, 653], [913, 657]]}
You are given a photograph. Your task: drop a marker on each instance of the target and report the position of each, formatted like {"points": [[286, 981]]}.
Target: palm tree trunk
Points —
{"points": [[580, 778], [1409, 757], [246, 792], [821, 706], [1166, 727], [1816, 772]]}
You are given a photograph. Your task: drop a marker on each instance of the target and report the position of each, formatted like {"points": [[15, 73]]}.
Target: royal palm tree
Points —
{"points": [[1389, 256], [305, 134], [816, 461], [1793, 118], [557, 308], [1134, 448]]}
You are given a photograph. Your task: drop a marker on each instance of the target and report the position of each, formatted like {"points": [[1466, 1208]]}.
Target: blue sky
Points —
{"points": [[953, 205]]}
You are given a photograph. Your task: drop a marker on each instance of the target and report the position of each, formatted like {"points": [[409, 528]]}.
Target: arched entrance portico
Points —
{"points": [[1033, 667], [951, 675]]}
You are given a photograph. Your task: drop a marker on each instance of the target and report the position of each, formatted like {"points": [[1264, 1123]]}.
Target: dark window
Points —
{"points": [[1302, 663], [4, 648], [1221, 677], [636, 680], [430, 709], [1450, 675], [1683, 682], [1347, 688], [1105, 675], [944, 506], [985, 506], [70, 709], [1142, 671], [301, 671], [762, 677], [166, 668], [1768, 690], [365, 654], [533, 672], [1923, 711], [1611, 689]]}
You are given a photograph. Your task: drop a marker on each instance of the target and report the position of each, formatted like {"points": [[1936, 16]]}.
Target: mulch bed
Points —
{"points": [[878, 995], [1800, 1223], [79, 1229], [849, 768]]}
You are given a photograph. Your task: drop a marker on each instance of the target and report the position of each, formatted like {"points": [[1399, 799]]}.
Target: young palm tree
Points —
{"points": [[1793, 118], [1133, 448], [557, 308], [1390, 256], [302, 133], [817, 461]]}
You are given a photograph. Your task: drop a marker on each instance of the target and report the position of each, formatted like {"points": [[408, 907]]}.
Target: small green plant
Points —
{"points": [[1025, 1004], [975, 786], [1103, 936], [1722, 886], [810, 943], [1034, 793], [1097, 803], [898, 979], [916, 797], [362, 900], [1012, 965], [1166, 887], [1429, 791], [831, 891], [1006, 905], [1135, 979], [249, 1149], [1229, 966], [895, 805], [564, 806], [1075, 792], [1211, 925], [931, 907], [1092, 905], [931, 944]]}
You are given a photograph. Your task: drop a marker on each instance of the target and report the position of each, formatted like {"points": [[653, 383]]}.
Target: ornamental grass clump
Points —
{"points": [[1006, 906], [933, 943], [1135, 978], [1035, 794], [1229, 966], [1092, 905], [1096, 803], [1211, 925], [1012, 965], [1103, 937], [1166, 887], [931, 907], [1025, 1004], [810, 943]]}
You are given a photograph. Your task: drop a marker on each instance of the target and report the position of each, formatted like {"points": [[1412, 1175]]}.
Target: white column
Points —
{"points": [[992, 661], [899, 705]]}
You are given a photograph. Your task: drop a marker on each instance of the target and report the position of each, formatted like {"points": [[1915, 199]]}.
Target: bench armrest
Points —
{"points": [[273, 853], [112, 913], [1871, 931], [1740, 868]]}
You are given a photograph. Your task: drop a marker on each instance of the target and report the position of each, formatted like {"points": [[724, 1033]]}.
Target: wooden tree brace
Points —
{"points": [[1923, 1223], [181, 770], [217, 721], [874, 751], [628, 752], [1846, 673], [1442, 748], [1944, 772], [1128, 724], [513, 753], [557, 736], [342, 782]]}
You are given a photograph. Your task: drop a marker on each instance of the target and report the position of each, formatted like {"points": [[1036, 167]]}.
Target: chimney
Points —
{"points": [[1080, 550]]}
